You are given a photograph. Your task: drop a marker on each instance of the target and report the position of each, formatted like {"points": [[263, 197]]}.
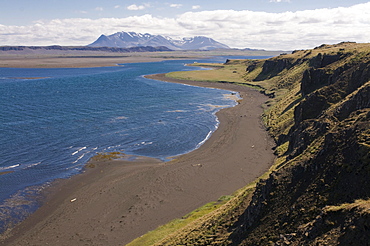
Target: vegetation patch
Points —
{"points": [[224, 73], [161, 232], [6, 172], [107, 156], [361, 204]]}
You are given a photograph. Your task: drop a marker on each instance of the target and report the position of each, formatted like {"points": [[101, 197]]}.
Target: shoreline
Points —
{"points": [[62, 59], [118, 201], [73, 62]]}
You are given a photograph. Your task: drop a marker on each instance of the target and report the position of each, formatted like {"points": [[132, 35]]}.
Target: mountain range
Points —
{"points": [[133, 39]]}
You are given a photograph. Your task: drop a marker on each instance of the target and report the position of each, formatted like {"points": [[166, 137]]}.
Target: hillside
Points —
{"points": [[317, 192]]}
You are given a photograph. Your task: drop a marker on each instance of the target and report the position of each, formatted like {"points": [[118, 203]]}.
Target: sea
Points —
{"points": [[52, 121]]}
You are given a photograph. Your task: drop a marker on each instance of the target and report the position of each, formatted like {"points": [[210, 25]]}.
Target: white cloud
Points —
{"points": [[175, 5], [195, 7], [279, 1], [117, 6], [285, 31], [136, 7], [99, 9]]}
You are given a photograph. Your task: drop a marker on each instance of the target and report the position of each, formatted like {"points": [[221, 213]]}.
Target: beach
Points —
{"points": [[116, 201]]}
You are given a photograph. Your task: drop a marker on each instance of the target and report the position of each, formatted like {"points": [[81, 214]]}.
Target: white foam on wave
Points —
{"points": [[79, 158], [23, 166], [33, 165], [143, 143], [177, 111], [119, 118], [204, 140], [78, 150], [233, 96], [116, 147], [210, 107], [9, 167]]}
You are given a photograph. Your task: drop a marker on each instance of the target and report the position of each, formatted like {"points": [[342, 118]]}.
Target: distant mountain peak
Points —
{"points": [[133, 39]]}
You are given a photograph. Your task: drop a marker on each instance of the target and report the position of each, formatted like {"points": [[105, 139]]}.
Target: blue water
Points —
{"points": [[50, 127]]}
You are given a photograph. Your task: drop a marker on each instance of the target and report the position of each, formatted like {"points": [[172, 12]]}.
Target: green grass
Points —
{"points": [[161, 232], [227, 73]]}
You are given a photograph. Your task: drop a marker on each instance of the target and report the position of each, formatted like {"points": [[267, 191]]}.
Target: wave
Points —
{"points": [[33, 165], [79, 150], [177, 111], [79, 158], [9, 167], [20, 165], [210, 107], [204, 140]]}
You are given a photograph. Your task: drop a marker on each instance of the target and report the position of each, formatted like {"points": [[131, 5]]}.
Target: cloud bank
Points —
{"points": [[239, 29]]}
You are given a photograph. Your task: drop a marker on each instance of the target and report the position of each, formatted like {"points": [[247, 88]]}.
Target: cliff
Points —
{"points": [[317, 192]]}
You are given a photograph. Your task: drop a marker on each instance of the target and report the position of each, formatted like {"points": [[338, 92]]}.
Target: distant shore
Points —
{"points": [[71, 62], [117, 201], [44, 58]]}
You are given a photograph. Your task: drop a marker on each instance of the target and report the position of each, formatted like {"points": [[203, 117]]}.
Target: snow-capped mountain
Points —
{"points": [[133, 39]]}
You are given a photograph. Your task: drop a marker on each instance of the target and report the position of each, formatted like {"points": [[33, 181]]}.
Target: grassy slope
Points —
{"points": [[282, 77]]}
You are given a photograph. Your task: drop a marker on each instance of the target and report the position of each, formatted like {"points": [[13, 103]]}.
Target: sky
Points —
{"points": [[258, 24]]}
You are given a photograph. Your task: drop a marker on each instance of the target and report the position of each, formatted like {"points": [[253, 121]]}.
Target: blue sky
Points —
{"points": [[267, 24], [24, 12]]}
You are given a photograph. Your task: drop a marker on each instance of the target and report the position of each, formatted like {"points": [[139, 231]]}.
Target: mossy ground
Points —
{"points": [[106, 156]]}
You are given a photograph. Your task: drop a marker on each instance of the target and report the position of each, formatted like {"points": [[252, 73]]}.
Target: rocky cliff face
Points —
{"points": [[317, 192], [273, 67], [318, 195]]}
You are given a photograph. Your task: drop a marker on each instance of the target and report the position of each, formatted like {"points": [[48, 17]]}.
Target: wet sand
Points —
{"points": [[117, 201]]}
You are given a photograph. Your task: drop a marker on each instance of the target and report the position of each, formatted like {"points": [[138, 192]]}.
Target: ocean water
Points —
{"points": [[51, 126]]}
